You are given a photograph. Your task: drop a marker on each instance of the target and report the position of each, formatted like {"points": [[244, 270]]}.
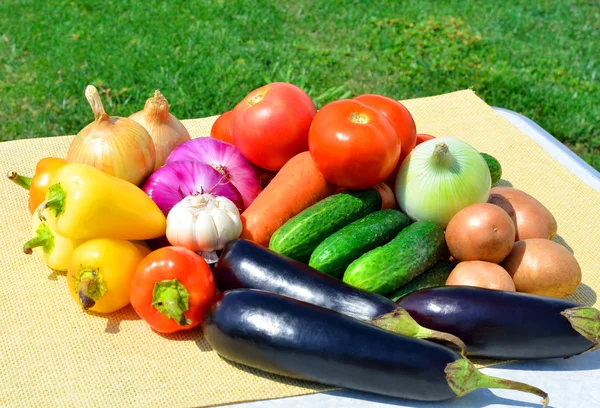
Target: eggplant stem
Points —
{"points": [[19, 180], [400, 321], [463, 377]]}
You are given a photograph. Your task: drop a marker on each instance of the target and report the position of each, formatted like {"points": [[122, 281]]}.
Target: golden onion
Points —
{"points": [[116, 145]]}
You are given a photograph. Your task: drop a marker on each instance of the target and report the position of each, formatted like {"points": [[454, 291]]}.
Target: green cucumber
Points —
{"points": [[432, 277], [386, 268], [300, 235], [494, 166], [333, 255]]}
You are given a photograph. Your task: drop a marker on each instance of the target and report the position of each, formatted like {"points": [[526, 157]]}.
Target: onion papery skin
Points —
{"points": [[166, 130], [117, 146], [171, 183], [428, 190], [225, 158]]}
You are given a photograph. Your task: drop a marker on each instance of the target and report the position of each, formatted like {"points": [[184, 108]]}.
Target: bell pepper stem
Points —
{"points": [[400, 321], [463, 377], [43, 238], [90, 286], [55, 202], [171, 298], [19, 180]]}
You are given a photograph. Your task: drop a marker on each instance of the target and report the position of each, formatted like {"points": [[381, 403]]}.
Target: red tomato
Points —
{"points": [[163, 281], [221, 128], [421, 137], [399, 117], [353, 145], [270, 125]]}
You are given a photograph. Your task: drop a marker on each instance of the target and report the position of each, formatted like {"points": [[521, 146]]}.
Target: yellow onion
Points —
{"points": [[117, 146], [166, 130]]}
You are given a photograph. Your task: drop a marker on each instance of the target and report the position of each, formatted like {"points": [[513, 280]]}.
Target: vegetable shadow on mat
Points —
{"points": [[503, 183], [113, 320], [557, 238], [477, 399]]}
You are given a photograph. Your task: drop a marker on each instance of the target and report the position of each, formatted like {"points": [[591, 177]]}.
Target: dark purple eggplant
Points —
{"points": [[507, 325], [243, 264], [296, 339]]}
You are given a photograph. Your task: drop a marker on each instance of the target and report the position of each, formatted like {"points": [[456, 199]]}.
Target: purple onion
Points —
{"points": [[223, 157], [171, 183]]}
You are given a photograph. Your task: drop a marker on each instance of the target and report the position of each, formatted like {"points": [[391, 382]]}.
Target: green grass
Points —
{"points": [[539, 58]]}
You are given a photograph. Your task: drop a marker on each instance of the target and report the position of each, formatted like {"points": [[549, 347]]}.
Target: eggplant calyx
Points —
{"points": [[171, 298], [585, 321], [463, 377], [400, 321]]}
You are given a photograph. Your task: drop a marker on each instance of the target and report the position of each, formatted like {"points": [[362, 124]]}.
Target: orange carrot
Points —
{"points": [[296, 186]]}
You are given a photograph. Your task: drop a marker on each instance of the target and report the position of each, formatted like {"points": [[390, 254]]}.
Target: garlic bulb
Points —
{"points": [[166, 130], [117, 146], [203, 223]]}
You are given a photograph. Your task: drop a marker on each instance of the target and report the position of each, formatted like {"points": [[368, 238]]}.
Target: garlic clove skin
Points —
{"points": [[203, 223]]}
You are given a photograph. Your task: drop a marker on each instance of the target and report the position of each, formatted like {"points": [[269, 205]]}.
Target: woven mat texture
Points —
{"points": [[53, 354]]}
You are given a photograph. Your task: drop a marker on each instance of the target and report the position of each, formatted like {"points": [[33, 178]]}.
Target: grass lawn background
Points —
{"points": [[539, 58]]}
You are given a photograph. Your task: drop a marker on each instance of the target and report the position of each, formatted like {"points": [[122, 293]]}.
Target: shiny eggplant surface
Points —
{"points": [[506, 325], [243, 264], [296, 339]]}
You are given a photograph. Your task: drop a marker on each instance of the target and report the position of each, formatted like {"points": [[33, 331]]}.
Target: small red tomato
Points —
{"points": [[353, 145], [421, 137], [399, 117], [221, 128], [172, 289], [270, 125]]}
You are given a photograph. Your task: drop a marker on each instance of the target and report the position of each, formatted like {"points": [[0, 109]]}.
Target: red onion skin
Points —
{"points": [[226, 159], [171, 183]]}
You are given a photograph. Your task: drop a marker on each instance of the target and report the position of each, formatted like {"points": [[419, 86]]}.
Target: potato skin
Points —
{"points": [[480, 232], [543, 267], [532, 219], [482, 275]]}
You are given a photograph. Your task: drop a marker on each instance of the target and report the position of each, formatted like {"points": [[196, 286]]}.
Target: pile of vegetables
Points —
{"points": [[291, 234]]}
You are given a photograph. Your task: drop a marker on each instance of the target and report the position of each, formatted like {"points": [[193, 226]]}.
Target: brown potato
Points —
{"points": [[480, 232], [543, 267], [482, 275], [531, 218]]}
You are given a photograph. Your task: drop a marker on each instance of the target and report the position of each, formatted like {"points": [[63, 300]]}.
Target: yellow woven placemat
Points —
{"points": [[53, 354]]}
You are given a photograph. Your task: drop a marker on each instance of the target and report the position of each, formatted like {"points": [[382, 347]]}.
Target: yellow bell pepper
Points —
{"points": [[49, 246], [87, 203]]}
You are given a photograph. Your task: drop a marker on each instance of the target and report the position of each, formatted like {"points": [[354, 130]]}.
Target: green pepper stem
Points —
{"points": [[54, 203], [585, 321], [43, 238], [463, 377], [442, 157], [90, 286], [400, 321], [171, 298], [19, 180]]}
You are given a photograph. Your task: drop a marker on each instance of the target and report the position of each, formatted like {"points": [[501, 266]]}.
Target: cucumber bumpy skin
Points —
{"points": [[333, 255], [300, 235], [386, 268]]}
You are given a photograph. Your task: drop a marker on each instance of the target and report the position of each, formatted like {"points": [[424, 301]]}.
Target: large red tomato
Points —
{"points": [[270, 125], [353, 145], [221, 128], [399, 117]]}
